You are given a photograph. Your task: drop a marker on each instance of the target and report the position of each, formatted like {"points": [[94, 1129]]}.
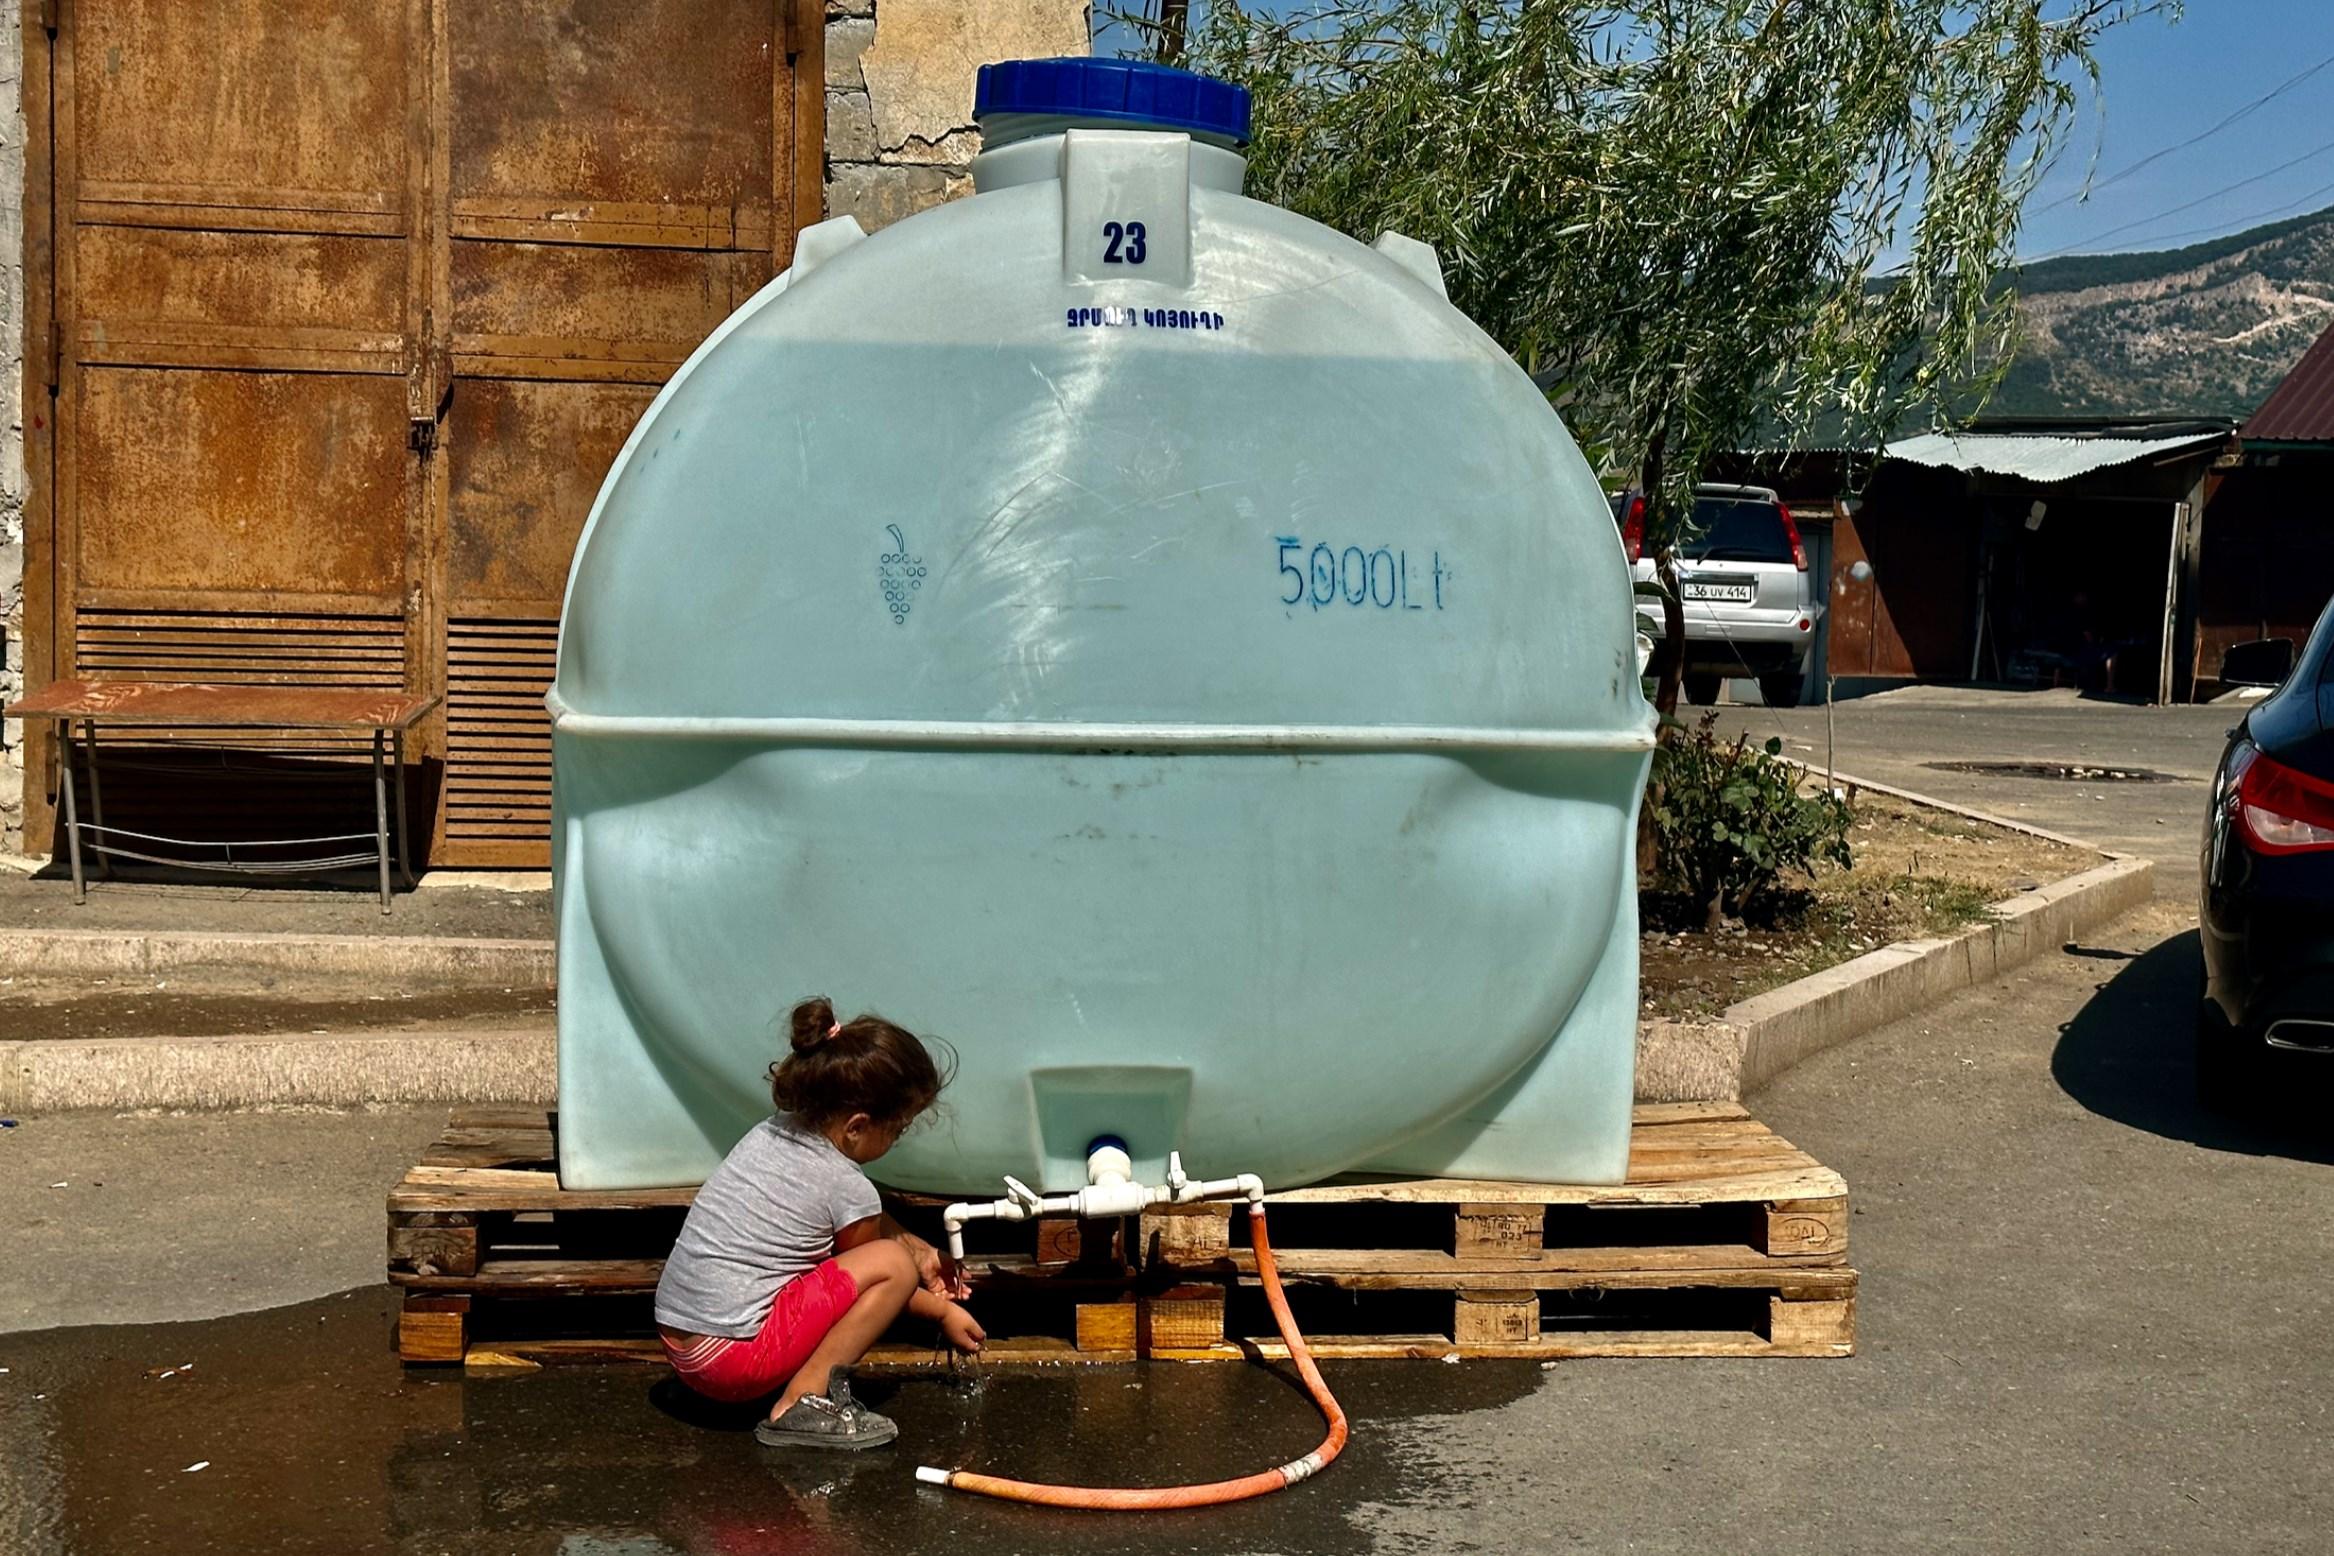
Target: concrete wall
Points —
{"points": [[900, 134], [11, 422]]}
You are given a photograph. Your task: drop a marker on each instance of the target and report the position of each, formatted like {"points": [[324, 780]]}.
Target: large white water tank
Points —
{"points": [[1139, 635]]}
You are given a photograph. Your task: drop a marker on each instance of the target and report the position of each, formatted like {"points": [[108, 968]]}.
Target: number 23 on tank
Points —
{"points": [[1125, 243], [1386, 578]]}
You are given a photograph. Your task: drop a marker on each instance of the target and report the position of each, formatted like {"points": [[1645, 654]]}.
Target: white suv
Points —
{"points": [[1751, 608]]}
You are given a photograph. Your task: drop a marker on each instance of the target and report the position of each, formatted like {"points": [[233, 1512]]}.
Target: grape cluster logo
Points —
{"points": [[901, 576]]}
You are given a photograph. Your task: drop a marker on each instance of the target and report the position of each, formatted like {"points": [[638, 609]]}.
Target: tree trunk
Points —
{"points": [[1673, 635], [1665, 569]]}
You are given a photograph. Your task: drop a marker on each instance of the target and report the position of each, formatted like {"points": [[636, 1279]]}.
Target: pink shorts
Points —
{"points": [[734, 1371]]}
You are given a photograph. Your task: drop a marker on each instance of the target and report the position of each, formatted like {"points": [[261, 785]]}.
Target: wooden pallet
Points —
{"points": [[1726, 1240]]}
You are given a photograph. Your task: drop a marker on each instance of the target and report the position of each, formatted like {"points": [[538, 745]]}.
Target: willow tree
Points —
{"points": [[1696, 220]]}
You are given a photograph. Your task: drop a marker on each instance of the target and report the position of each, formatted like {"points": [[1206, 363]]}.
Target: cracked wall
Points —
{"points": [[12, 480], [900, 135]]}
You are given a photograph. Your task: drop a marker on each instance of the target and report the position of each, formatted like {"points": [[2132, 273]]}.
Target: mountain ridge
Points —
{"points": [[2207, 329]]}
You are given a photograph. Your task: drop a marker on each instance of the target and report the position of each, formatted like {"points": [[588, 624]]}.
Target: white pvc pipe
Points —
{"points": [[1110, 1191]]}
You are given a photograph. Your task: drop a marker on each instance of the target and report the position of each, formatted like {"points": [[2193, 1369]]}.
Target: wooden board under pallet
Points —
{"points": [[1725, 1240]]}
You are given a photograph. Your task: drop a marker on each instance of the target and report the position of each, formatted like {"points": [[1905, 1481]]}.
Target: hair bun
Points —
{"points": [[812, 1023]]}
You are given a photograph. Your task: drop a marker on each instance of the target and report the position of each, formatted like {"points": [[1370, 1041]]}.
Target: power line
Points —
{"points": [[2262, 101], [2190, 205], [2219, 228]]}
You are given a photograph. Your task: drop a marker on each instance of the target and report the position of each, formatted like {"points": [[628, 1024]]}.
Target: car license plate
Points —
{"points": [[1724, 593]]}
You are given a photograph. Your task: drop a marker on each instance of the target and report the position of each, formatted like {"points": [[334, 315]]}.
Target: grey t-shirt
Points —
{"points": [[769, 1212]]}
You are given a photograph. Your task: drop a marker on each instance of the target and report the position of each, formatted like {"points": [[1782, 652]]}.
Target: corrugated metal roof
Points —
{"points": [[2301, 408], [2043, 459]]}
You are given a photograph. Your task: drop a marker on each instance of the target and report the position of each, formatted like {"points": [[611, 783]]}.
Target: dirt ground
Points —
{"points": [[1918, 872]]}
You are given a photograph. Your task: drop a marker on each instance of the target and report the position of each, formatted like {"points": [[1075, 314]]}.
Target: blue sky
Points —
{"points": [[2160, 85]]}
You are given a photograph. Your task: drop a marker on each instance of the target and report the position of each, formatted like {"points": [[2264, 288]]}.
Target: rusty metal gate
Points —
{"points": [[337, 313]]}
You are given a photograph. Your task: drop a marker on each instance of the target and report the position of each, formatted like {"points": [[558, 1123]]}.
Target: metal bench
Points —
{"points": [[84, 705]]}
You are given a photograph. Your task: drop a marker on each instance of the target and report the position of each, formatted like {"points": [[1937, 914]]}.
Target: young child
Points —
{"points": [[787, 1270]]}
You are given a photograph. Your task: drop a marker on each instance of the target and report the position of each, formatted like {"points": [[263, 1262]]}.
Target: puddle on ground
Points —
{"points": [[310, 1436], [2065, 772]]}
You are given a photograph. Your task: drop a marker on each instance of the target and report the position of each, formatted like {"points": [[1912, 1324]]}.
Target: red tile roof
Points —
{"points": [[2301, 409]]}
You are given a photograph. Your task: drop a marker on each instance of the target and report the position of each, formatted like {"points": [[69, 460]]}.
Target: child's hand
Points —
{"points": [[960, 1329], [934, 1273]]}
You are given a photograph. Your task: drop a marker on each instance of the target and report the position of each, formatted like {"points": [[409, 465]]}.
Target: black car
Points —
{"points": [[2267, 900]]}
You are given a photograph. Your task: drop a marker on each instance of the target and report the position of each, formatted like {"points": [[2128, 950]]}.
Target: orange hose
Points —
{"points": [[1144, 1498]]}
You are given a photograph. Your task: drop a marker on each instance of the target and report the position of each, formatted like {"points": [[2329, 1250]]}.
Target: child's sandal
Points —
{"points": [[830, 1420]]}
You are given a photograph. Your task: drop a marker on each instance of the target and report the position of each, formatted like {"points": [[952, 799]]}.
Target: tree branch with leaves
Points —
{"points": [[1695, 221]]}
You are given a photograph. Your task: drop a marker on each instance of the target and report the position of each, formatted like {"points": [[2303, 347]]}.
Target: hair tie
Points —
{"points": [[835, 1031]]}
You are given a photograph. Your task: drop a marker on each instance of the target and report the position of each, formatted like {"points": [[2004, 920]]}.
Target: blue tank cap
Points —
{"points": [[1124, 90]]}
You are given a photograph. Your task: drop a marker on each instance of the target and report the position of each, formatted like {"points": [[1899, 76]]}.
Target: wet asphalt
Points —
{"points": [[312, 1437]]}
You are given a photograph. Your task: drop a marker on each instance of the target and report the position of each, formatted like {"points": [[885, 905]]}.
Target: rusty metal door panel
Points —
{"points": [[263, 488], [268, 112], [234, 287], [1864, 640], [163, 296], [626, 314], [525, 462], [615, 172], [1854, 602], [560, 105]]}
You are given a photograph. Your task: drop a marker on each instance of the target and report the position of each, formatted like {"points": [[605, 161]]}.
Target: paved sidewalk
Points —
{"points": [[149, 902], [145, 1218]]}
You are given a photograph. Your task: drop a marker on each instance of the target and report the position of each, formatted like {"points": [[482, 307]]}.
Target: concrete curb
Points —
{"points": [[1758, 1039], [416, 959], [276, 1069]]}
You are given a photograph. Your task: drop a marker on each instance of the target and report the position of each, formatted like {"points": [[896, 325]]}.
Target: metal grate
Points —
{"points": [[498, 738], [210, 646]]}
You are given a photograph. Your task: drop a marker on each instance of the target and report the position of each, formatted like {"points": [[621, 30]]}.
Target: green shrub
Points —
{"points": [[1729, 822]]}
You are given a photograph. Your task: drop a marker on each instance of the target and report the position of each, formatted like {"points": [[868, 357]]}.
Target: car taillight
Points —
{"points": [[1633, 530], [2281, 811], [1791, 533]]}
